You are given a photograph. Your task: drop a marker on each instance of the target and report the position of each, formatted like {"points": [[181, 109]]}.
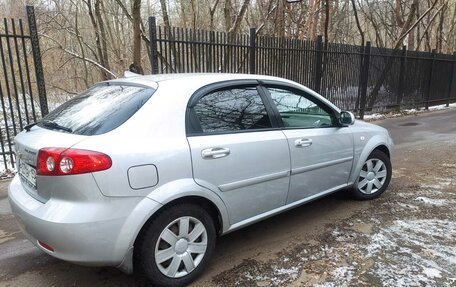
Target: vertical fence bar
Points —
{"points": [[5, 119], [21, 77], [197, 50], [168, 50], [8, 90], [162, 55], [187, 53], [365, 79], [37, 60], [451, 88], [318, 63], [400, 89], [252, 49], [13, 78], [5, 115], [153, 45], [164, 52], [27, 70], [429, 84]]}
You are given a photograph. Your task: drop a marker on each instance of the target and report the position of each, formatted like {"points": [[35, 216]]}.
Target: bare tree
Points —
{"points": [[407, 27]]}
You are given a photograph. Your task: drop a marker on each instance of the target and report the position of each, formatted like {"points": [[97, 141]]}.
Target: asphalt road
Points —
{"points": [[22, 264], [421, 128]]}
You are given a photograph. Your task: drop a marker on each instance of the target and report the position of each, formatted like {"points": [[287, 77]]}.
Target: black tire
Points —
{"points": [[375, 155], [145, 266]]}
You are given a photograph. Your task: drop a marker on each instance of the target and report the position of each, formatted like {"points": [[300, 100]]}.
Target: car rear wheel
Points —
{"points": [[175, 246], [374, 176]]}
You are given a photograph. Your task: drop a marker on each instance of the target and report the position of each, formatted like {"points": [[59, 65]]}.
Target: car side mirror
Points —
{"points": [[346, 118]]}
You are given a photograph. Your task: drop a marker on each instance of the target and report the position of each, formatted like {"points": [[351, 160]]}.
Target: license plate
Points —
{"points": [[27, 174]]}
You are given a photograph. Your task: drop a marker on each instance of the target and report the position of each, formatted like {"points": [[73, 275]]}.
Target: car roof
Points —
{"points": [[197, 78]]}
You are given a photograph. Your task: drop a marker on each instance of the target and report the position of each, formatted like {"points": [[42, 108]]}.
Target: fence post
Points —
{"points": [[428, 88], [451, 89], [153, 45], [364, 78], [360, 80], [35, 43], [318, 63], [252, 49], [400, 89]]}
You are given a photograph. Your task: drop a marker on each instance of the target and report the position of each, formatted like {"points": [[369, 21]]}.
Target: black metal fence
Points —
{"points": [[356, 78], [22, 89]]}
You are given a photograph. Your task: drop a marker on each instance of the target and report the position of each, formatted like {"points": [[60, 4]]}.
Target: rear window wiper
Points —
{"points": [[56, 126]]}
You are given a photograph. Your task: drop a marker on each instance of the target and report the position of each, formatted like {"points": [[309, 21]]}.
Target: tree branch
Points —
{"points": [[93, 62]]}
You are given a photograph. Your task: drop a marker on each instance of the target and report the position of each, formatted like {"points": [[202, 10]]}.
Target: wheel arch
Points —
{"points": [[183, 190], [383, 148], [204, 202], [375, 143]]}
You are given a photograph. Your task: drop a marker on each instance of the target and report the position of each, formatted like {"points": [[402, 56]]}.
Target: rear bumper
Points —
{"points": [[96, 232]]}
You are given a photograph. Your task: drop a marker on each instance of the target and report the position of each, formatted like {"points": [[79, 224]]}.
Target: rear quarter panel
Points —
{"points": [[155, 135]]}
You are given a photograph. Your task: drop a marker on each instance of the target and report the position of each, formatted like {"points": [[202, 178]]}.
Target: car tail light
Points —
{"points": [[63, 161]]}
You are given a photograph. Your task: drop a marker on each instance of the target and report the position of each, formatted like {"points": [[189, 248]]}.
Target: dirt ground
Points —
{"points": [[404, 238]]}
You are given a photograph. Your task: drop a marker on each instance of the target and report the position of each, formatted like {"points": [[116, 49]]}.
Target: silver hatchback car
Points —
{"points": [[145, 172]]}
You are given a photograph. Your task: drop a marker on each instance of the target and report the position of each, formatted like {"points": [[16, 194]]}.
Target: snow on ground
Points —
{"points": [[278, 276], [411, 253], [345, 275], [434, 201], [381, 116]]}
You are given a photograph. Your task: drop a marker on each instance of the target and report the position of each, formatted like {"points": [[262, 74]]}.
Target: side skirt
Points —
{"points": [[281, 209]]}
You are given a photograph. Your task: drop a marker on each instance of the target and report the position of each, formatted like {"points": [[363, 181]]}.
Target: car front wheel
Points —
{"points": [[374, 176], [175, 246]]}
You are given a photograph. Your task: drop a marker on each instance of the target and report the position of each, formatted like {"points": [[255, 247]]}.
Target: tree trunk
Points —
{"points": [[103, 42], [439, 34], [164, 13], [136, 15], [99, 57], [313, 19], [360, 29]]}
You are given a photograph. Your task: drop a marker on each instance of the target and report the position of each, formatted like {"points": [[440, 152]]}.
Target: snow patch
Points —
{"points": [[432, 201], [432, 272], [407, 206], [278, 276], [414, 252], [379, 116], [451, 165], [342, 277]]}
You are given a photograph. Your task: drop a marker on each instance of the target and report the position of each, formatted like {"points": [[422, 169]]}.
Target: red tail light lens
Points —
{"points": [[62, 161]]}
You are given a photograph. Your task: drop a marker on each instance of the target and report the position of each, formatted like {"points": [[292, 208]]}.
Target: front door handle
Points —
{"points": [[216, 152], [303, 142]]}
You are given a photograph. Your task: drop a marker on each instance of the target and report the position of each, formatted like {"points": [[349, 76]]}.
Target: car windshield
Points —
{"points": [[98, 110]]}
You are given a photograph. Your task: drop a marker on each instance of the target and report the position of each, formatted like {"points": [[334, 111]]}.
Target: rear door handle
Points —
{"points": [[303, 142], [215, 152]]}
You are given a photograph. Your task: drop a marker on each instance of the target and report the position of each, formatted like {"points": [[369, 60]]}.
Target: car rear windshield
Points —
{"points": [[98, 110]]}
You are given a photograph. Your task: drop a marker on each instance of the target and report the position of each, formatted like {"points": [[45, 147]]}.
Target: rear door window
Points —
{"points": [[98, 110], [230, 110]]}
